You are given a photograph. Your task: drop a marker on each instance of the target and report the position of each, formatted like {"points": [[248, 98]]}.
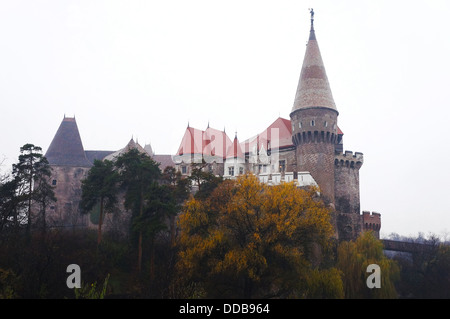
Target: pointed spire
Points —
{"points": [[66, 148], [312, 35], [234, 150], [148, 149], [313, 90]]}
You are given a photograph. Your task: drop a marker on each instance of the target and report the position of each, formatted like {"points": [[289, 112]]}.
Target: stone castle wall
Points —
{"points": [[65, 211]]}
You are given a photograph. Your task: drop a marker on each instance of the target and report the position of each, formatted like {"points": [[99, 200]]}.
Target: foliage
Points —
{"points": [[26, 192], [436, 274], [31, 175], [325, 284], [205, 181], [149, 202], [137, 173], [250, 240], [8, 284], [426, 272], [179, 188], [100, 187], [91, 291], [9, 204], [234, 239], [353, 260]]}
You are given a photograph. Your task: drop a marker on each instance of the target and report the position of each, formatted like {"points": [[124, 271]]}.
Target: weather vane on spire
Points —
{"points": [[311, 11]]}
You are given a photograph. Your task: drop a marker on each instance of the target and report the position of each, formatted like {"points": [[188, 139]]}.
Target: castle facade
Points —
{"points": [[306, 149]]}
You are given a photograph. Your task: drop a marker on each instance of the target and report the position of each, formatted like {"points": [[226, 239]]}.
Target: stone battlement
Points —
{"points": [[371, 220], [348, 159]]}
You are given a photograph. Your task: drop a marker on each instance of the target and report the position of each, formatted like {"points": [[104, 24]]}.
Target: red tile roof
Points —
{"points": [[209, 142], [215, 142], [277, 135], [235, 151]]}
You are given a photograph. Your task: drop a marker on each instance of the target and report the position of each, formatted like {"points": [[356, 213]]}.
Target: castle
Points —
{"points": [[306, 149]]}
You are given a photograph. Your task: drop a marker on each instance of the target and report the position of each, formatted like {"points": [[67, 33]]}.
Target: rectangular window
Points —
{"points": [[231, 170], [54, 182], [282, 166], [183, 169], [241, 171]]}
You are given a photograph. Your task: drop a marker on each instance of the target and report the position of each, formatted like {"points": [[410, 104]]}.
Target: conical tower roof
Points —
{"points": [[313, 90], [66, 148]]}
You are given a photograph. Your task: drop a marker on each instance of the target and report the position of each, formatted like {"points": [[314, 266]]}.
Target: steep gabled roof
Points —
{"points": [[276, 135], [131, 145], [211, 142], [192, 142], [281, 129], [66, 148], [215, 143]]}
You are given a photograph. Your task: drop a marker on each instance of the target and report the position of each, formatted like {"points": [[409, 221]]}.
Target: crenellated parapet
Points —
{"points": [[371, 221], [348, 159]]}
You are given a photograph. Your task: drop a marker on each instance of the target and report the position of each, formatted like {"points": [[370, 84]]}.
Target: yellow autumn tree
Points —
{"points": [[250, 240], [353, 259]]}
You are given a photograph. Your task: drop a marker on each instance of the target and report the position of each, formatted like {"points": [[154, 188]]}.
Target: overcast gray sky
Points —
{"points": [[147, 68]]}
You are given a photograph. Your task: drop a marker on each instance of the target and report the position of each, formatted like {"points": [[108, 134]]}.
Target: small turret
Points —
{"points": [[372, 222]]}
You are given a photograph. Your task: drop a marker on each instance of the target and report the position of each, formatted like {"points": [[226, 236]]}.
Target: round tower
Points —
{"points": [[314, 120]]}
